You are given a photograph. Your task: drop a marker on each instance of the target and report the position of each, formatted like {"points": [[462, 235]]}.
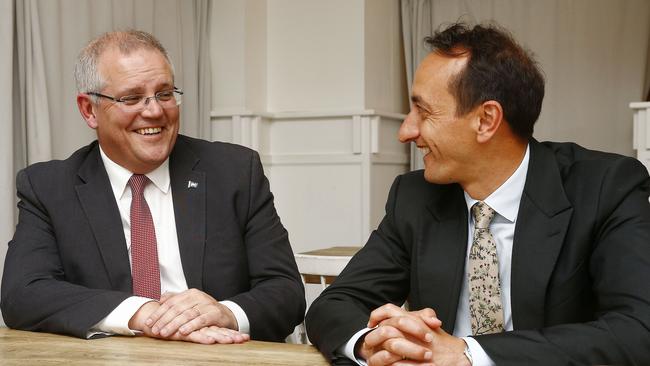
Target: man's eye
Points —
{"points": [[165, 95], [131, 99]]}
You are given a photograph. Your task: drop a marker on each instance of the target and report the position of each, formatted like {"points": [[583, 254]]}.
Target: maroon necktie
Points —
{"points": [[144, 253]]}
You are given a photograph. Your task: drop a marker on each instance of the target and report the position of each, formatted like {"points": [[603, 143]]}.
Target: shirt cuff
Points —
{"points": [[348, 349], [117, 322], [240, 316], [479, 357]]}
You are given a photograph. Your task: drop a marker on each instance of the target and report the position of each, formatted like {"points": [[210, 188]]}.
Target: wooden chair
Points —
{"points": [[318, 270]]}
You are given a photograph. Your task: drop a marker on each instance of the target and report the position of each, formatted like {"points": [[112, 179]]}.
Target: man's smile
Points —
{"points": [[149, 131]]}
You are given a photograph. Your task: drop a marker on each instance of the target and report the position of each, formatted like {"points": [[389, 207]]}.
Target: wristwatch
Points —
{"points": [[468, 354]]}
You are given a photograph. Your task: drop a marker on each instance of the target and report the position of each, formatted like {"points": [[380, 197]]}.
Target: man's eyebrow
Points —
{"points": [[138, 89], [417, 100]]}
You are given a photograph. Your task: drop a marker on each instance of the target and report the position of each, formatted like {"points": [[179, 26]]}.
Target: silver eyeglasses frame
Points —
{"points": [[135, 103]]}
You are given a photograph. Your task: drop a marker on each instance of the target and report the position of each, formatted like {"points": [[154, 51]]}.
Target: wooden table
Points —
{"points": [[32, 348]]}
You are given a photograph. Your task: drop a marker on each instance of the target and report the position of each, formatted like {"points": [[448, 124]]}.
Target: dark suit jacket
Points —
{"points": [[580, 263], [67, 266]]}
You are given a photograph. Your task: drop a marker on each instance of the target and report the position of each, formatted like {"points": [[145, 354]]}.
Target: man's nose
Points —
{"points": [[409, 131], [152, 107]]}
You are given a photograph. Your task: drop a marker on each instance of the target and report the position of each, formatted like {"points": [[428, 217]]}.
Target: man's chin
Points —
{"points": [[436, 177], [153, 159]]}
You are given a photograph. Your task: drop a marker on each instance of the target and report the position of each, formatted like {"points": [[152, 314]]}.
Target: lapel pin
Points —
{"points": [[191, 184]]}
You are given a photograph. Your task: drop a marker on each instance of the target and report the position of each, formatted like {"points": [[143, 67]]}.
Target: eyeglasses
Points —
{"points": [[137, 102]]}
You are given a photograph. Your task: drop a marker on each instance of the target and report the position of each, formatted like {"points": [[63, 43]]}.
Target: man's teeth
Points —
{"points": [[424, 150], [149, 131]]}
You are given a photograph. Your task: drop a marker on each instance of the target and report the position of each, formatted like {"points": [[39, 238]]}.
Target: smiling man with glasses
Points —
{"points": [[146, 231]]}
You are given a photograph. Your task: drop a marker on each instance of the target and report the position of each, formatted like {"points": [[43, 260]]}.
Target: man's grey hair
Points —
{"points": [[86, 74]]}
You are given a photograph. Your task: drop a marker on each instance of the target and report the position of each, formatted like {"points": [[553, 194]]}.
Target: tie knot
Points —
{"points": [[483, 215], [137, 183]]}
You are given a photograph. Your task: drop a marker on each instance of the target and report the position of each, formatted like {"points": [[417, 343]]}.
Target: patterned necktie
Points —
{"points": [[145, 270], [485, 307]]}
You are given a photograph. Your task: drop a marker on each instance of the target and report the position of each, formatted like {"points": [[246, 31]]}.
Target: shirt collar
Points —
{"points": [[505, 200], [119, 176]]}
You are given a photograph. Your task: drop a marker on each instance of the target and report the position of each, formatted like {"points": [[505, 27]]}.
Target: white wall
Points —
{"points": [[315, 55], [384, 52], [321, 102], [228, 67], [590, 46]]}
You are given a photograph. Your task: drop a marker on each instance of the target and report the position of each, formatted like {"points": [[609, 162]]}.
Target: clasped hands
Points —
{"points": [[191, 315], [409, 338]]}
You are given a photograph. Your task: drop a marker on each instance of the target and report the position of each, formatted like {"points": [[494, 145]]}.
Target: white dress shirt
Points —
{"points": [[505, 201], [172, 279]]}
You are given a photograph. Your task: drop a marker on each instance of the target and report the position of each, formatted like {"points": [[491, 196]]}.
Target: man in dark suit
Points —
{"points": [[144, 211], [508, 251]]}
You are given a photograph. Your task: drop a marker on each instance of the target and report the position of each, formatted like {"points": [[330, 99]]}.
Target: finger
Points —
{"points": [[211, 314], [410, 326], [232, 332], [408, 349], [244, 337], [382, 334], [195, 324], [182, 319], [169, 300], [426, 312], [176, 304], [384, 312], [220, 335], [429, 316], [407, 362], [400, 361], [196, 337], [433, 323], [168, 311], [384, 357], [238, 337]]}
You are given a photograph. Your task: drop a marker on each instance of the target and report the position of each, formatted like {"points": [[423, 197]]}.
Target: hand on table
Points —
{"points": [[197, 328], [206, 335], [409, 338], [187, 312]]}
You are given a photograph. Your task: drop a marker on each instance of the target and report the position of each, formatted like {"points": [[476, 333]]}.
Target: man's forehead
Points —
{"points": [[434, 73], [114, 62], [441, 66], [112, 53]]}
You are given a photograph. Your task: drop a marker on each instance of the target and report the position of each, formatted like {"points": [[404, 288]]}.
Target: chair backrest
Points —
{"points": [[320, 268], [317, 272]]}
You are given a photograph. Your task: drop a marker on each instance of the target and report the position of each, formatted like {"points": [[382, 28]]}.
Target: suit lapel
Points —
{"points": [[189, 196], [542, 223], [98, 202], [441, 254]]}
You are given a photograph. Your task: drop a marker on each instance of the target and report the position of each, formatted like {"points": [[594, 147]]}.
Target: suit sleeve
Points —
{"points": [[619, 267], [275, 303], [35, 294], [378, 274]]}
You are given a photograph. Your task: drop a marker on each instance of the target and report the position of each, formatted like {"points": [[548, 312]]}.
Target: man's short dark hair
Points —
{"points": [[498, 69]]}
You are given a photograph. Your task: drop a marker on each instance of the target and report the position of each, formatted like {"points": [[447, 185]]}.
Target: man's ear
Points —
{"points": [[490, 115], [86, 108]]}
